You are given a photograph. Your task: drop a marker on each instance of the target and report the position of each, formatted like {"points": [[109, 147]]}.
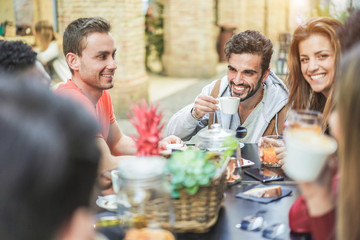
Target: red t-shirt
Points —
{"points": [[103, 111]]}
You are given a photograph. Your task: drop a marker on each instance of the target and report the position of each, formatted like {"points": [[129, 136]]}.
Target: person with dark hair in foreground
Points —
{"points": [[349, 33], [19, 58], [48, 165], [263, 96]]}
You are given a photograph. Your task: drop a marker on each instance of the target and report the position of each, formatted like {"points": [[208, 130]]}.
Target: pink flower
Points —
{"points": [[146, 120]]}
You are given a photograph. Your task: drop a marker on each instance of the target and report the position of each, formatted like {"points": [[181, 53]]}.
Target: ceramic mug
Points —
{"points": [[307, 153], [229, 105]]}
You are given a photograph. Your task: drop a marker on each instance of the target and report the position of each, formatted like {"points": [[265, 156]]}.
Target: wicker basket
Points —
{"points": [[193, 213]]}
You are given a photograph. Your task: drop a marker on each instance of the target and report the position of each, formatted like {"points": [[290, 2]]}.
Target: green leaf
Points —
{"points": [[203, 181], [189, 181], [231, 144], [209, 169], [178, 178], [192, 190], [175, 193], [190, 169]]}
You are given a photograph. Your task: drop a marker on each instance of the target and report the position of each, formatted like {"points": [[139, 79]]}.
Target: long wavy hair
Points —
{"points": [[347, 104], [301, 95]]}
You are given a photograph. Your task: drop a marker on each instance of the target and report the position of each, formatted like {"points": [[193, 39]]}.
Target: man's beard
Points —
{"points": [[251, 91]]}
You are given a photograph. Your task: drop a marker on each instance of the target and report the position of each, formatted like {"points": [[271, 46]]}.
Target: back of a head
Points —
{"points": [[76, 32], [16, 56], [19, 59], [348, 94], [348, 101], [349, 34], [252, 42], [49, 159]]}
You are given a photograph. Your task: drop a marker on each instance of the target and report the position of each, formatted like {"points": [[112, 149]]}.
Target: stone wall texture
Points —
{"points": [[270, 17], [190, 36], [230, 13], [277, 18], [127, 20], [44, 10]]}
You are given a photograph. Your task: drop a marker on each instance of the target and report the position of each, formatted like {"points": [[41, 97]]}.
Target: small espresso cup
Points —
{"points": [[229, 105], [307, 153]]}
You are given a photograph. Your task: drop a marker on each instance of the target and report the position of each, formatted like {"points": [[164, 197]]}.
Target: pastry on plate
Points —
{"points": [[266, 192]]}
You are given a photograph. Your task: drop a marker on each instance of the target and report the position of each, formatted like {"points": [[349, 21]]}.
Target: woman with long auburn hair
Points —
{"points": [[313, 57], [330, 203]]}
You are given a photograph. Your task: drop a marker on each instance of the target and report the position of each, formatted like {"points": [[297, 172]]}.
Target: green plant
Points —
{"points": [[231, 145], [192, 168]]}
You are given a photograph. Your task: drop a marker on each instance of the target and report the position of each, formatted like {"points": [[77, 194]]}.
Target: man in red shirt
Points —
{"points": [[90, 51]]}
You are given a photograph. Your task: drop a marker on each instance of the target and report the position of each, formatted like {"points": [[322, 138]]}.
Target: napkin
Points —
{"points": [[284, 192]]}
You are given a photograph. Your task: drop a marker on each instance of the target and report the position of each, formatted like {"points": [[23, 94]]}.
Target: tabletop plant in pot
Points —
{"points": [[198, 181]]}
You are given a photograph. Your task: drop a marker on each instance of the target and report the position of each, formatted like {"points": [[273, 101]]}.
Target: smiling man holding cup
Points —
{"points": [[263, 96]]}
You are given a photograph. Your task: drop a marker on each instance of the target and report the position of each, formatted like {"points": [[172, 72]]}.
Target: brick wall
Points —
{"points": [[190, 38], [230, 12], [270, 17], [278, 18], [127, 20], [7, 11], [43, 10], [255, 15]]}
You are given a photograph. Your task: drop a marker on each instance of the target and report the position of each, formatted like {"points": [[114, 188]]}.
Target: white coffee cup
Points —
{"points": [[229, 105], [115, 180], [307, 152]]}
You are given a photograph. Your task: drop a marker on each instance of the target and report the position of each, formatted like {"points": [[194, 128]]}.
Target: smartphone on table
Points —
{"points": [[263, 174]]}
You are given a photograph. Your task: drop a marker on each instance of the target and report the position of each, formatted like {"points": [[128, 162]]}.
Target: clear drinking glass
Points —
{"points": [[271, 150], [144, 203], [304, 119]]}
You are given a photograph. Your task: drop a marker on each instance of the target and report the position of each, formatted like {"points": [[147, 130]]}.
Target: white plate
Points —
{"points": [[247, 163], [107, 202]]}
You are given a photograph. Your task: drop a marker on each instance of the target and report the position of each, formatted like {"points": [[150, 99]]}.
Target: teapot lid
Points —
{"points": [[216, 133]]}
